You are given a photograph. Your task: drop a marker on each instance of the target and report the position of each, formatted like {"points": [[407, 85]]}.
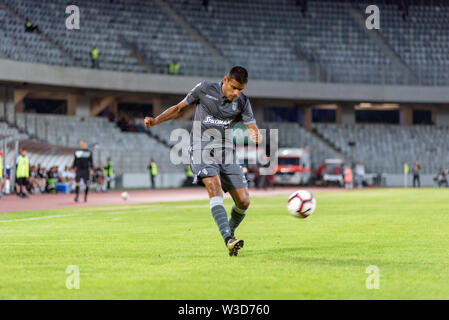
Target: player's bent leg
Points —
{"points": [[213, 186], [241, 204]]}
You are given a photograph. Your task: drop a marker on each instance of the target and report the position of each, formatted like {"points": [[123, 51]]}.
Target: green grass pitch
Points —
{"points": [[174, 250]]}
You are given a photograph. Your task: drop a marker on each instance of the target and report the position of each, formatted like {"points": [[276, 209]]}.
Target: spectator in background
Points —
{"points": [[348, 177], [52, 179], [415, 171], [152, 168], [206, 4], [303, 5], [62, 174], [132, 125], [122, 124], [30, 27], [39, 183], [70, 179], [140, 127], [359, 174], [94, 57], [2, 180], [108, 173], [441, 178], [94, 176], [319, 172], [207, 7], [99, 178], [43, 178], [40, 170], [173, 67], [34, 180]]}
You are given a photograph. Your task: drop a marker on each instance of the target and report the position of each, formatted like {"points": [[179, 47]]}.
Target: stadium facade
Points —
{"points": [[317, 74]]}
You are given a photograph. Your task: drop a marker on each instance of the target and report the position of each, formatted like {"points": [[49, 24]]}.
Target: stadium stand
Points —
{"points": [[385, 148], [292, 135], [120, 31], [163, 130], [281, 45], [8, 132], [43, 153], [131, 151], [30, 47], [326, 44], [421, 38]]}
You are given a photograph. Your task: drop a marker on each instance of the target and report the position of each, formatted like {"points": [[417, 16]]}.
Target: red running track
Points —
{"points": [[11, 203]]}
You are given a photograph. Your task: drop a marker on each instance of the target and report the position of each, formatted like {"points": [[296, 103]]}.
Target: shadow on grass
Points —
{"points": [[293, 255]]}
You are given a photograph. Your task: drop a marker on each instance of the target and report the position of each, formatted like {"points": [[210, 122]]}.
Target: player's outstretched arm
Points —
{"points": [[254, 133], [171, 113]]}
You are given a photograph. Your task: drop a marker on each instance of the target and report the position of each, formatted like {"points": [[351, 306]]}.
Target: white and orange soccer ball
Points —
{"points": [[301, 204]]}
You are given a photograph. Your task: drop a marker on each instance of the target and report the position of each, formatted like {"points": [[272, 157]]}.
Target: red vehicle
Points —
{"points": [[294, 166]]}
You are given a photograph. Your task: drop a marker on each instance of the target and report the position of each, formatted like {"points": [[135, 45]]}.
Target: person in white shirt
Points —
{"points": [[359, 174]]}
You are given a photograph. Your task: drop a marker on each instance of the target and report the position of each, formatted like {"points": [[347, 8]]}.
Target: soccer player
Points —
{"points": [[219, 106], [83, 165]]}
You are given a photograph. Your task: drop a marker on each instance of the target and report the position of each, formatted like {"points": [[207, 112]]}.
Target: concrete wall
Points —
{"points": [[347, 114], [22, 72], [82, 106], [442, 116], [174, 180], [397, 180], [142, 180]]}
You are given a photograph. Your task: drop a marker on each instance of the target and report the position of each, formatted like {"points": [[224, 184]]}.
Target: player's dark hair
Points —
{"points": [[239, 74]]}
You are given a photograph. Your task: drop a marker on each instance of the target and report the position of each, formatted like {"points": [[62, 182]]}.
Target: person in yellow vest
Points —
{"points": [[94, 57], [406, 171], [22, 173], [152, 167], [30, 27], [108, 172], [2, 182], [173, 67], [189, 176]]}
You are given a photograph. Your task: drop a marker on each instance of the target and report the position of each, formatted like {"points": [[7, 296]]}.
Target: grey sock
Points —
{"points": [[237, 216], [220, 217]]}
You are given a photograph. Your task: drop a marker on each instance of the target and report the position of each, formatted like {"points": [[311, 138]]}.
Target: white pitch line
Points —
{"points": [[41, 218], [77, 214], [130, 211]]}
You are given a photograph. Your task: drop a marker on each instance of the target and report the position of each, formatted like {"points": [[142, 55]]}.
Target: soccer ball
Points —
{"points": [[125, 195], [301, 204]]}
